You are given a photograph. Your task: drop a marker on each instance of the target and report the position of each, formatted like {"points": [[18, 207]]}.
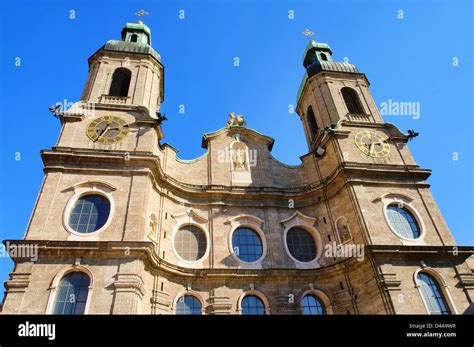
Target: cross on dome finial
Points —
{"points": [[308, 33], [141, 13]]}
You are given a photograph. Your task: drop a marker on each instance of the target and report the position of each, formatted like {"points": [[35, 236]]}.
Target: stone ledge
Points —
{"points": [[467, 280], [18, 282]]}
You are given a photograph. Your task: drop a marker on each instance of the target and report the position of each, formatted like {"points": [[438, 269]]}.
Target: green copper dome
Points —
{"points": [[136, 32], [136, 38], [316, 45], [317, 58]]}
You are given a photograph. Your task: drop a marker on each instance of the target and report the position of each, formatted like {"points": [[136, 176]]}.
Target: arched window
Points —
{"points": [[323, 57], [71, 295], [313, 126], [190, 243], [246, 244], [352, 100], [133, 38], [432, 295], [402, 221], [252, 305], [301, 244], [312, 305], [188, 305], [89, 214], [120, 82]]}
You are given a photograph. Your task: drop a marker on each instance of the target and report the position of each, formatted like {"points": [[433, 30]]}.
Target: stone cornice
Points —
{"points": [[452, 252], [66, 117], [145, 163], [146, 251]]}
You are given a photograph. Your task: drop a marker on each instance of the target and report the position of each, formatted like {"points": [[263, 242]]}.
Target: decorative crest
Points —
{"points": [[236, 120]]}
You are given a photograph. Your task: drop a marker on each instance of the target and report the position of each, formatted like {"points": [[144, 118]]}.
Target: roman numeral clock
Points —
{"points": [[372, 144], [107, 129]]}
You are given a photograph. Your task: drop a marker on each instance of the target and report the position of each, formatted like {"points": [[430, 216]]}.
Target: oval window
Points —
{"points": [[190, 243], [301, 244], [89, 214], [247, 245], [403, 222]]}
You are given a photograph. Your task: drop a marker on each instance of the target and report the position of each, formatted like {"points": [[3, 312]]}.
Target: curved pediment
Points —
{"points": [[298, 218], [231, 131], [190, 216]]}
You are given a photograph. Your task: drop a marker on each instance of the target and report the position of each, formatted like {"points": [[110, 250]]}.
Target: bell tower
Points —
{"points": [[127, 72], [371, 181], [121, 98], [331, 92], [346, 133]]}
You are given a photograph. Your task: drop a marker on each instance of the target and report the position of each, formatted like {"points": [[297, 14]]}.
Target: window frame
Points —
{"points": [[258, 294], [304, 228], [190, 217], [192, 293], [356, 99], [409, 212], [206, 236], [57, 279], [406, 202], [317, 299], [442, 287], [313, 126], [256, 233], [88, 188], [255, 224], [302, 221], [320, 294], [116, 71]]}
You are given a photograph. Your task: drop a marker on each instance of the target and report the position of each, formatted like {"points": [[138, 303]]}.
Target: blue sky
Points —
{"points": [[407, 60]]}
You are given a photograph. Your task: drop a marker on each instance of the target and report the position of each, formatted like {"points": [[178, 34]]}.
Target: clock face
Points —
{"points": [[372, 144], [107, 129]]}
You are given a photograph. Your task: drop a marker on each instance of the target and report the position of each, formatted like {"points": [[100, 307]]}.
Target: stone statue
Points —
{"points": [[151, 230], [239, 159], [236, 120], [239, 151]]}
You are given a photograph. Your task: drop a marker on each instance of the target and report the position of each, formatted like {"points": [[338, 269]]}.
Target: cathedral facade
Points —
{"points": [[121, 225]]}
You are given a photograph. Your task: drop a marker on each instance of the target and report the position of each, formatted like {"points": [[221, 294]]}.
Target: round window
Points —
{"points": [[403, 222], [301, 244], [247, 245], [190, 243], [89, 214]]}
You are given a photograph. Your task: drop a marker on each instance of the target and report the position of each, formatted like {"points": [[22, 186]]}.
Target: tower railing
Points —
{"points": [[358, 117], [115, 100]]}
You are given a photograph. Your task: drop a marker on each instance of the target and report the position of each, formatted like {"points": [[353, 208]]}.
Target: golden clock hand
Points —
{"points": [[372, 146], [102, 132], [118, 128], [371, 149]]}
